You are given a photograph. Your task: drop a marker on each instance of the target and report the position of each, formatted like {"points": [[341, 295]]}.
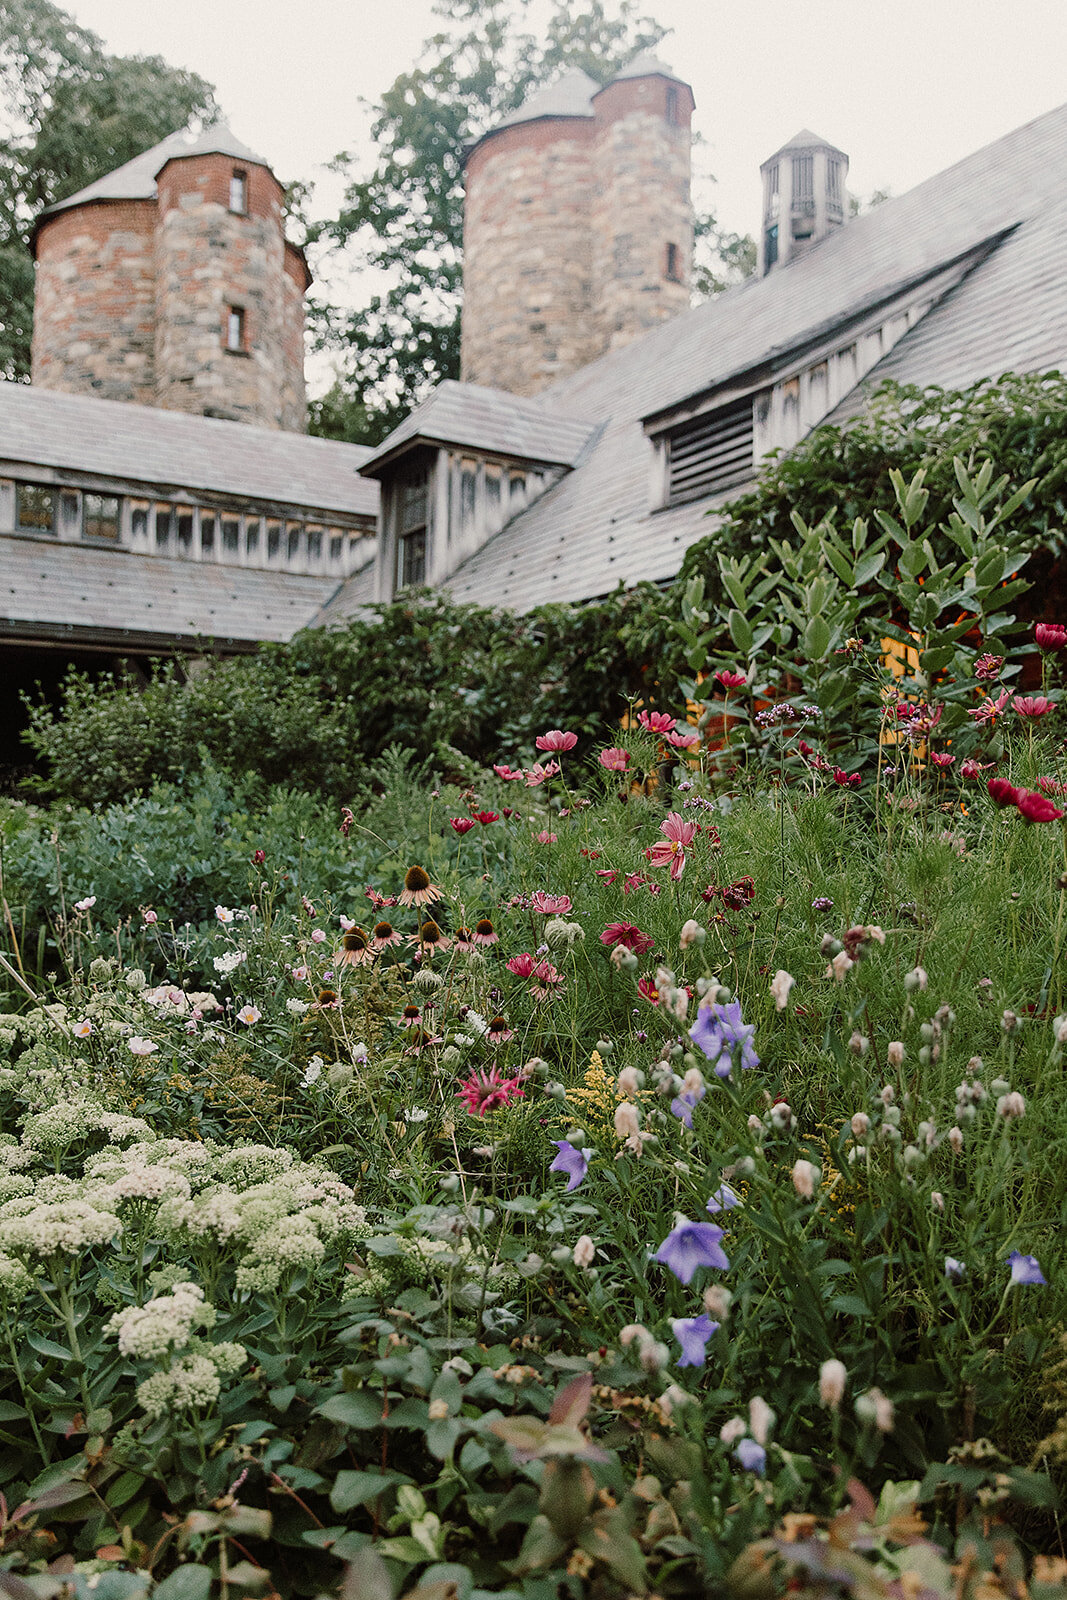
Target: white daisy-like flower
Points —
{"points": [[141, 1047], [248, 1015], [223, 914]]}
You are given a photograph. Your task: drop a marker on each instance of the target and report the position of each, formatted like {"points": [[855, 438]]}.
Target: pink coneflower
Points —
{"points": [[656, 721], [730, 680], [1035, 808], [614, 759], [556, 739], [498, 1031], [463, 939], [489, 1091], [677, 833], [546, 980], [384, 935], [484, 932], [1032, 706], [544, 837], [509, 774], [538, 773], [627, 934], [410, 1017], [417, 890], [355, 949], [486, 817], [646, 988], [1050, 636], [522, 965], [421, 1040], [683, 741], [461, 824], [550, 905], [431, 937]]}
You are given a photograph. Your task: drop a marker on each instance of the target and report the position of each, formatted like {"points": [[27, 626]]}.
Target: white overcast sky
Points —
{"points": [[904, 86]]}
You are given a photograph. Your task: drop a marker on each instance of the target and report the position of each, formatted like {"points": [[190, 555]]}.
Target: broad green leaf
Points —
{"points": [[191, 1582], [359, 1410], [816, 638], [353, 1489], [740, 631]]}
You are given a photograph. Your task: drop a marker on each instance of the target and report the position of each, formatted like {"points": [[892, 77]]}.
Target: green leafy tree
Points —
{"points": [[404, 221], [69, 113]]}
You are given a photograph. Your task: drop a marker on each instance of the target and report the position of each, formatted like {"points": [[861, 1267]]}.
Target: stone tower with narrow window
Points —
{"points": [[804, 198], [170, 283], [578, 225]]}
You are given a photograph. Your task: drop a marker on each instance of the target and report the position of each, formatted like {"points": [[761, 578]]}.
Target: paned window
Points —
{"points": [[100, 517], [163, 517], [711, 453], [803, 178], [207, 537], [239, 191], [35, 508], [413, 543]]}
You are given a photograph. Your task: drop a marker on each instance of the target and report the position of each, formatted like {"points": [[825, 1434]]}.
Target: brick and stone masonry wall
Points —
{"points": [[133, 297], [94, 307], [527, 256], [641, 206]]}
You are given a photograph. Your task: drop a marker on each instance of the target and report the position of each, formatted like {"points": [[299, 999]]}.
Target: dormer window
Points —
{"points": [[239, 191], [413, 543], [711, 453]]}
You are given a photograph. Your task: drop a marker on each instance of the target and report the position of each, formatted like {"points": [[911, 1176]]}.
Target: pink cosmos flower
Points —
{"points": [[1032, 706], [149, 917], [545, 980], [556, 739], [987, 667], [941, 758], [462, 824], [684, 741], [730, 680], [1051, 786], [1003, 793], [974, 769], [1033, 807], [615, 760], [550, 905], [488, 1091], [1050, 635], [677, 833], [508, 774], [538, 773], [544, 837], [646, 988], [522, 965], [990, 708], [656, 721], [629, 935]]}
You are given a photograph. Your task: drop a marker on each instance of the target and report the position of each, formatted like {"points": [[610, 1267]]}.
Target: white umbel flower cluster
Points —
{"points": [[149, 1331]]}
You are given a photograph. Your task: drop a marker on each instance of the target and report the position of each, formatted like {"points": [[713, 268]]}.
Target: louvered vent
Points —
{"points": [[712, 453]]}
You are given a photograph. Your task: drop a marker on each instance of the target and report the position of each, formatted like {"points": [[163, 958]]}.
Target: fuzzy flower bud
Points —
{"points": [[876, 1407], [806, 1176], [627, 1120], [628, 1082], [861, 1124], [915, 979], [717, 1301], [584, 1252], [832, 1379], [858, 1044], [841, 965], [781, 984], [692, 933], [760, 1419], [955, 1139], [1011, 1105]]}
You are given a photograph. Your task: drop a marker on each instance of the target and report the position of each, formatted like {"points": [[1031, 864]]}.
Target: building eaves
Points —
{"points": [[490, 421], [78, 434]]}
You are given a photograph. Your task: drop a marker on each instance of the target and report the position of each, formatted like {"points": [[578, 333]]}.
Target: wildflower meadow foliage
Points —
{"points": [[640, 1174]]}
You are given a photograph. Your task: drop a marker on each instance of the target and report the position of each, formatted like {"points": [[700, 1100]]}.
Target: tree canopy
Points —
{"points": [[403, 221], [69, 113]]}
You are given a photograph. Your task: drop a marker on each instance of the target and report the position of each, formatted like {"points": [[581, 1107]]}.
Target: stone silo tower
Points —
{"points": [[170, 283], [642, 215], [578, 228], [527, 246]]}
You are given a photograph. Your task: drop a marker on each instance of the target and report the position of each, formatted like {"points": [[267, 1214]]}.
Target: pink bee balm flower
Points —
{"points": [[550, 905], [538, 773], [730, 680], [628, 935], [677, 833], [556, 739], [1032, 706], [656, 721], [1050, 635], [488, 1091], [615, 760]]}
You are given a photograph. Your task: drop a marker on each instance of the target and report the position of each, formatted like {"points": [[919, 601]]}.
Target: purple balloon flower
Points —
{"points": [[693, 1333], [737, 1035], [954, 1269], [752, 1456], [682, 1107], [572, 1161], [691, 1245], [724, 1199], [1024, 1269], [719, 1032]]}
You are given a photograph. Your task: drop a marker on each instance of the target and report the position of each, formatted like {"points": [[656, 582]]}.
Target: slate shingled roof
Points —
{"points": [[489, 420], [78, 433], [595, 527]]}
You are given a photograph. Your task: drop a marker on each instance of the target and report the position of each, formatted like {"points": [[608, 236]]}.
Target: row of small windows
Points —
{"points": [[803, 170], [192, 532]]}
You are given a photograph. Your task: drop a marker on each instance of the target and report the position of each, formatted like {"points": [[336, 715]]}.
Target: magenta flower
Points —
{"points": [[628, 934], [987, 667], [730, 680], [1050, 635], [656, 721], [693, 1333], [677, 833], [556, 739], [690, 1246], [1034, 807], [572, 1161], [1002, 793], [990, 708], [941, 758], [550, 905], [522, 966], [1032, 706], [461, 824], [615, 760], [683, 741], [538, 773], [488, 1091]]}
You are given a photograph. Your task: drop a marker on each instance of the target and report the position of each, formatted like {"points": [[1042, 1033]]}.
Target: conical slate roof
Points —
{"points": [[136, 179], [804, 140], [646, 65], [570, 96]]}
